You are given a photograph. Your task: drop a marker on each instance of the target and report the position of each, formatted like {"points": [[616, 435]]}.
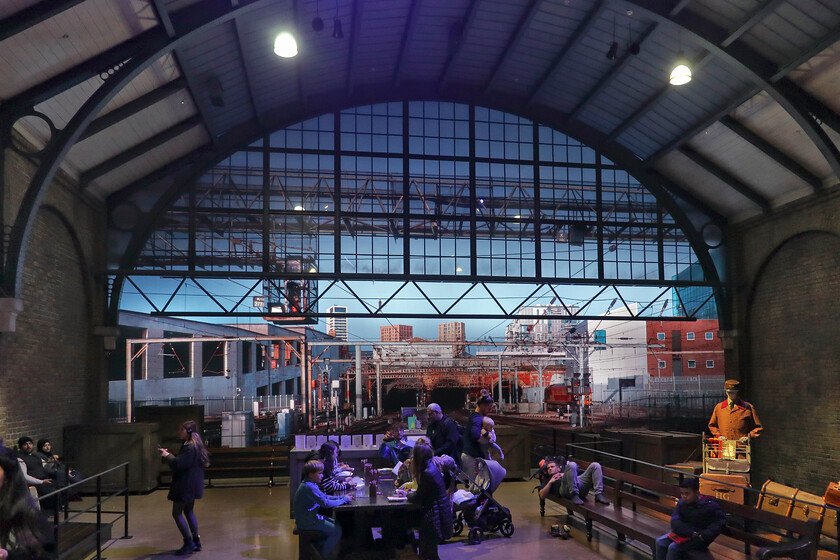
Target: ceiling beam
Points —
{"points": [[139, 149], [687, 134], [513, 41], [407, 34], [570, 45], [607, 80], [468, 20], [753, 66], [354, 41], [171, 168], [756, 16], [656, 98], [136, 47], [33, 15], [133, 107], [732, 181], [246, 68], [807, 54], [772, 152], [163, 16]]}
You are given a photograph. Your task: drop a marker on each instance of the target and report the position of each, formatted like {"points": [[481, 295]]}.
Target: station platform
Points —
{"points": [[253, 522]]}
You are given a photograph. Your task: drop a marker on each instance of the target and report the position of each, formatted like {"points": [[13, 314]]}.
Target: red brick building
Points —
{"points": [[395, 333], [688, 348]]}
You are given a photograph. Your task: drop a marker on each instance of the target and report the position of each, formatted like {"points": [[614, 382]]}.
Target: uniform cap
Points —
{"points": [[732, 384]]}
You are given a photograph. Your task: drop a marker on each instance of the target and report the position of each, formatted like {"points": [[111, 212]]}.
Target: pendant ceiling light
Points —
{"points": [[285, 45], [681, 74]]}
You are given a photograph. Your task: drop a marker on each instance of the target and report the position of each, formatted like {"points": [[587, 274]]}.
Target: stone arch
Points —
{"points": [[793, 376]]}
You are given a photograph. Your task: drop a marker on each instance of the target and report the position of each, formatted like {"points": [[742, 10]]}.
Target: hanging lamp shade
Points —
{"points": [[681, 74], [285, 45]]}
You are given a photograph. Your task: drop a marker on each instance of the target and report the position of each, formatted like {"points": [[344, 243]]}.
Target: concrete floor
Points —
{"points": [[253, 522]]}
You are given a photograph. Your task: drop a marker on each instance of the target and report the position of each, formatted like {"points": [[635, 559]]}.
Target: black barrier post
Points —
{"points": [[98, 517], [125, 489]]}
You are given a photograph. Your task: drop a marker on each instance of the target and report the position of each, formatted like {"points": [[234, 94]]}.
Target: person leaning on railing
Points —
{"points": [[25, 534]]}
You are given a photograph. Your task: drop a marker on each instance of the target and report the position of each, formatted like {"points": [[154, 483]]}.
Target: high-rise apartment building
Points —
{"points": [[453, 332], [337, 326], [395, 333]]}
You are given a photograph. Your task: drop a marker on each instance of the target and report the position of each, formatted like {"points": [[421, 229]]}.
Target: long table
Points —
{"points": [[352, 457]]}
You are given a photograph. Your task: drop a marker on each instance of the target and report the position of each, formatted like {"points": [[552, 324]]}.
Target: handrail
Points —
{"points": [[97, 507], [681, 475]]}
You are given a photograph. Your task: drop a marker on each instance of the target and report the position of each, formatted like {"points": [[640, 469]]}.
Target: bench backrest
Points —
{"points": [[742, 522]]}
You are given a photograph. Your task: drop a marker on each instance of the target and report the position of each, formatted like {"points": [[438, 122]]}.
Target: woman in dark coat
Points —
{"points": [[25, 534], [187, 484], [432, 497]]}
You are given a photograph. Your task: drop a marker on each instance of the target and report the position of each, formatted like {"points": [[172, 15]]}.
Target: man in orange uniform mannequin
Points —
{"points": [[734, 418]]}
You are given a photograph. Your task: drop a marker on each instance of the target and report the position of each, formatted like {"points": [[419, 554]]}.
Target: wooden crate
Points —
{"points": [[710, 486], [781, 503]]}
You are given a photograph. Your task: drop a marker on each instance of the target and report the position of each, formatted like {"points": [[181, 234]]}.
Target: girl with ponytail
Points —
{"points": [[187, 484]]}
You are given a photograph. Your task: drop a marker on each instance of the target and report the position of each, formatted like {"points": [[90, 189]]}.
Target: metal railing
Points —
{"points": [[58, 501], [212, 406]]}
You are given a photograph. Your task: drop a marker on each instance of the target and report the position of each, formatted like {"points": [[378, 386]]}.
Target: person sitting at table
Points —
{"points": [[308, 500], [395, 447], [433, 498], [331, 483]]}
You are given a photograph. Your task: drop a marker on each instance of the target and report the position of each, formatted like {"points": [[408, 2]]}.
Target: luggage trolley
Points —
{"points": [[725, 460]]}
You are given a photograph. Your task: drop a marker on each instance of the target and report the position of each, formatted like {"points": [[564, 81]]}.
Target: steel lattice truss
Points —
{"points": [[533, 213]]}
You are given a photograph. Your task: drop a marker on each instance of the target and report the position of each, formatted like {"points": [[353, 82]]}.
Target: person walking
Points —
{"points": [[187, 484]]}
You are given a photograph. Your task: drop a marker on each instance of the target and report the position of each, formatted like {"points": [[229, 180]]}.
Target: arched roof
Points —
{"points": [[143, 90]]}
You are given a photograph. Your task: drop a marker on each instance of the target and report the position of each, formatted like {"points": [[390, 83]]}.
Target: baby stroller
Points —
{"points": [[481, 512]]}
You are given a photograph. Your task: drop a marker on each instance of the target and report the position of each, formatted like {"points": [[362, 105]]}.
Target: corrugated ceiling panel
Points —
{"points": [[131, 131], [524, 67], [742, 160], [705, 186], [378, 43], [482, 46], [428, 47], [791, 29], [820, 76], [215, 72], [723, 13], [767, 118], [274, 80], [143, 165], [68, 39]]}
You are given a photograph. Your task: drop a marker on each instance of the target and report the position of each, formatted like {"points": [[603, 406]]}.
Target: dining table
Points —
{"points": [[365, 513]]}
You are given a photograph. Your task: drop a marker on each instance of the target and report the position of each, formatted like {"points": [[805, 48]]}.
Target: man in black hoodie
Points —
{"points": [[696, 522], [443, 433]]}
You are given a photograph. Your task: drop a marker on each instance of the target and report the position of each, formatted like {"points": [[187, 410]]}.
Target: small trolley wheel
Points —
{"points": [[457, 526], [506, 528], [475, 535]]}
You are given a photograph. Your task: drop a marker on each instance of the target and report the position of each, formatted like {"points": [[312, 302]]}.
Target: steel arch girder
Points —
{"points": [[759, 69], [155, 44], [249, 132]]}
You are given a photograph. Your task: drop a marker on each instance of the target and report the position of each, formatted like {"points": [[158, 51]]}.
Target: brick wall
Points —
{"points": [[51, 367], [789, 356]]}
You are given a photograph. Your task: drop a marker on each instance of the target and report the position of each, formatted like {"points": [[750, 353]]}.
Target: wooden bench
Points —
{"points": [[247, 462], [642, 509]]}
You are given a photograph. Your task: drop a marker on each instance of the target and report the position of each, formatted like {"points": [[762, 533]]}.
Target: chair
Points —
{"points": [[306, 544]]}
